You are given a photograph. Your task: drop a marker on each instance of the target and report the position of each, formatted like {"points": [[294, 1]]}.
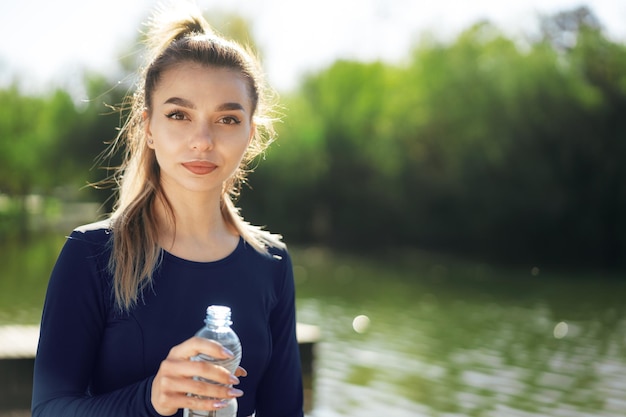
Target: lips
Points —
{"points": [[200, 167]]}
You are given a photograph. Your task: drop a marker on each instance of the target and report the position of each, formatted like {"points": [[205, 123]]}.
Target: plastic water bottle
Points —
{"points": [[217, 327]]}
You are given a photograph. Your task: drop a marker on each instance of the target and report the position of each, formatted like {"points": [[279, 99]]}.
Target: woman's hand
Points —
{"points": [[174, 379]]}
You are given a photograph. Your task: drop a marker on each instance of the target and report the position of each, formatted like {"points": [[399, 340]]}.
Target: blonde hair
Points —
{"points": [[174, 38]]}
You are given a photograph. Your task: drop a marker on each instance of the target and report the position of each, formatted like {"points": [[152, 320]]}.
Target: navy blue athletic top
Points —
{"points": [[93, 360]]}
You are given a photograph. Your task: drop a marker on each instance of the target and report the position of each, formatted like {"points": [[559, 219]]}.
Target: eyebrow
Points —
{"points": [[188, 104], [230, 106], [180, 102]]}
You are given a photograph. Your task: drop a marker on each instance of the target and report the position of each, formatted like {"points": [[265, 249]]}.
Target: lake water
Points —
{"points": [[432, 339], [420, 335]]}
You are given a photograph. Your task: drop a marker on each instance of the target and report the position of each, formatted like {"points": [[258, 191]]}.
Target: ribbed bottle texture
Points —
{"points": [[217, 327]]}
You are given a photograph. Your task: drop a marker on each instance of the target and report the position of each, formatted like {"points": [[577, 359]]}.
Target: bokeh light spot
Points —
{"points": [[560, 330], [361, 323]]}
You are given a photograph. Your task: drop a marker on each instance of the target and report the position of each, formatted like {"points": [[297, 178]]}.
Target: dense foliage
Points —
{"points": [[485, 145]]}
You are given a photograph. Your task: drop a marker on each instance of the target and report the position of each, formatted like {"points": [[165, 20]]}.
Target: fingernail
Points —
{"points": [[234, 392], [220, 404], [227, 352], [234, 379]]}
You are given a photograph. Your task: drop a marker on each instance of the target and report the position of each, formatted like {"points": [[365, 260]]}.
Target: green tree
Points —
{"points": [[30, 128], [484, 145], [334, 153]]}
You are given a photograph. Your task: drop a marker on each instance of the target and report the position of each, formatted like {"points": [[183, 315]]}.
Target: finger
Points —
{"points": [[212, 372], [176, 401], [241, 371], [204, 403], [176, 387], [185, 368], [206, 389], [197, 345], [178, 377]]}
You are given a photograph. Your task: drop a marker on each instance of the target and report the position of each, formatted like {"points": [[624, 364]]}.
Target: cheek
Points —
{"points": [[239, 147], [165, 152], [167, 137]]}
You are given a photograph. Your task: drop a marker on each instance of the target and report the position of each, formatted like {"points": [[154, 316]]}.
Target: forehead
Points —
{"points": [[202, 84]]}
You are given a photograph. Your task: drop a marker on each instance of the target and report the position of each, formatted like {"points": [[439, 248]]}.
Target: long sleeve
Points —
{"points": [[94, 361], [74, 316], [284, 368]]}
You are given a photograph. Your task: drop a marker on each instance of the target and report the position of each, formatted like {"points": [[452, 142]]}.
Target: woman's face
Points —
{"points": [[199, 126]]}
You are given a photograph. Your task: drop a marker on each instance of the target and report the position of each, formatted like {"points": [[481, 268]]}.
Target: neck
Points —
{"points": [[195, 228]]}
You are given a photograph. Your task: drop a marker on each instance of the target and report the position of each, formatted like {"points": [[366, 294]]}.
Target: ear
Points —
{"points": [[147, 131]]}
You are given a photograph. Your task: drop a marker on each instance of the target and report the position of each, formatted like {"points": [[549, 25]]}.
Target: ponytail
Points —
{"points": [[171, 24]]}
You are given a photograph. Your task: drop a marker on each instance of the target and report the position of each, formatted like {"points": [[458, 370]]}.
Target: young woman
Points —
{"points": [[127, 294]]}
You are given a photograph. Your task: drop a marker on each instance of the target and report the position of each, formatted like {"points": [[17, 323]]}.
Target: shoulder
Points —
{"points": [[274, 263], [279, 254], [267, 253], [271, 261], [97, 227], [86, 252], [97, 233], [90, 239]]}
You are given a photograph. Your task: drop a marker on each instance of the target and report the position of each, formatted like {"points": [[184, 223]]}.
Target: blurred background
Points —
{"points": [[450, 178]]}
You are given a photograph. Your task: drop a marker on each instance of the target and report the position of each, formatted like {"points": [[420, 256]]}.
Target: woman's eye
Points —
{"points": [[175, 115], [230, 120]]}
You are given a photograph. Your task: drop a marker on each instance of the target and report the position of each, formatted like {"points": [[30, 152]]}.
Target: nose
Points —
{"points": [[202, 139]]}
